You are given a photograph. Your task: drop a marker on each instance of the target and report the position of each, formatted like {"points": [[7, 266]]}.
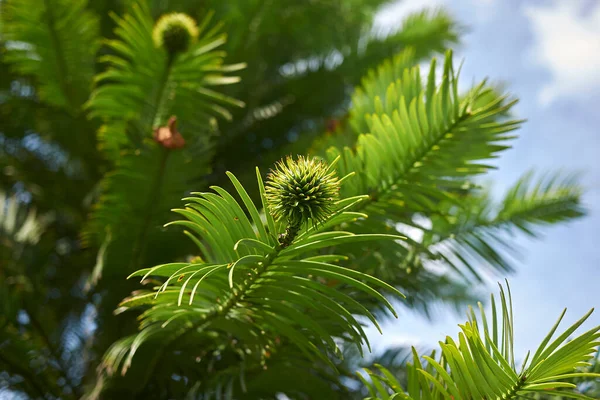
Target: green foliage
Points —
{"points": [[249, 287], [56, 42], [481, 363], [417, 148], [305, 60], [423, 142], [275, 284], [142, 87]]}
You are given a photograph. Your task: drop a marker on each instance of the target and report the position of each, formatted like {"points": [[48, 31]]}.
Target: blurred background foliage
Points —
{"points": [[85, 192]]}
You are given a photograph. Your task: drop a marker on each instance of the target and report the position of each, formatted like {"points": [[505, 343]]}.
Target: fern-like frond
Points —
{"points": [[480, 364], [422, 137], [154, 163], [550, 199], [428, 31], [56, 42], [374, 85], [250, 287], [477, 236], [283, 101], [418, 148], [449, 248], [143, 87], [135, 205]]}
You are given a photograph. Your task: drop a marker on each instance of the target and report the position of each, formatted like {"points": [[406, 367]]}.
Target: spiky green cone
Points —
{"points": [[299, 190], [175, 32]]}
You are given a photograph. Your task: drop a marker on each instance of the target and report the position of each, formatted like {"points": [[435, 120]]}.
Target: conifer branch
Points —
{"points": [[155, 191], [60, 60]]}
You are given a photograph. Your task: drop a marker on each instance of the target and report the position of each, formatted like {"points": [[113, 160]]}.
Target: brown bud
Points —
{"points": [[168, 136], [332, 124]]}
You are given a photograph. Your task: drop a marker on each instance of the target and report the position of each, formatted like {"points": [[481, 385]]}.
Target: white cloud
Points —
{"points": [[567, 43], [390, 16]]}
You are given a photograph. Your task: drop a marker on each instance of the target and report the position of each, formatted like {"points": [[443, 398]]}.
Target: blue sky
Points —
{"points": [[547, 53]]}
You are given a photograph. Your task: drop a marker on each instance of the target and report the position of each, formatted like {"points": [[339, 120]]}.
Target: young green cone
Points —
{"points": [[175, 32], [299, 190]]}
